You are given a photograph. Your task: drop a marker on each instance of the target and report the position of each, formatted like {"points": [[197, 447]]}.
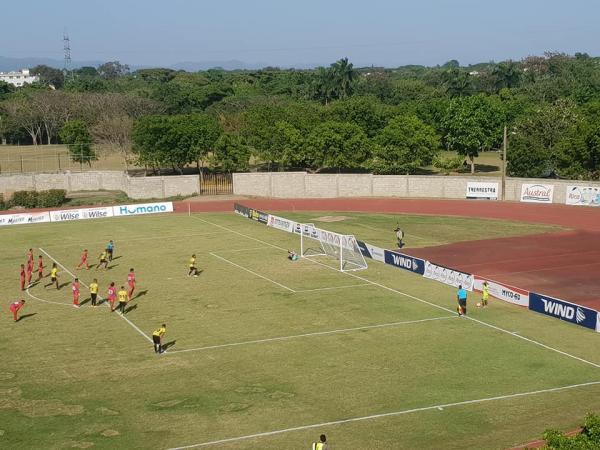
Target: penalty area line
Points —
{"points": [[134, 326], [317, 333], [481, 322], [388, 414]]}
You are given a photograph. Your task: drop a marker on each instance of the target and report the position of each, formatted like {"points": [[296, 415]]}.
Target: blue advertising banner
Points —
{"points": [[406, 262], [370, 251], [579, 315]]}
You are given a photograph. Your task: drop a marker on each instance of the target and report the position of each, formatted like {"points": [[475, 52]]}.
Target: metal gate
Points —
{"points": [[216, 184]]}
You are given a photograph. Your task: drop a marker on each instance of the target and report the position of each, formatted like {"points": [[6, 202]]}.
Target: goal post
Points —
{"points": [[343, 247]]}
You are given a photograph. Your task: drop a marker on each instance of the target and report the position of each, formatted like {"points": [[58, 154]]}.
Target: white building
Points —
{"points": [[18, 78]]}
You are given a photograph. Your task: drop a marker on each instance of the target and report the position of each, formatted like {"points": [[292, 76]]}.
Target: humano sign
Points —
{"points": [[142, 208]]}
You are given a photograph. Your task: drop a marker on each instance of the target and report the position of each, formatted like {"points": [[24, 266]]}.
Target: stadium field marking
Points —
{"points": [[134, 326], [317, 333], [388, 414], [333, 288], [253, 273], [46, 301], [262, 247], [489, 325]]}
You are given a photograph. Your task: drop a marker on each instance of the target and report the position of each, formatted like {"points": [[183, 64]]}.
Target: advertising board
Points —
{"points": [[583, 195], [370, 251], [448, 276], [537, 193], [406, 262], [142, 208], [478, 190], [281, 223], [504, 292], [563, 310]]}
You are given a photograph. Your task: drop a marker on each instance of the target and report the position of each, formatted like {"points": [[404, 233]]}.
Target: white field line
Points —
{"points": [[333, 288], [253, 273], [489, 325], [389, 414], [318, 333], [134, 326], [46, 301], [262, 247]]}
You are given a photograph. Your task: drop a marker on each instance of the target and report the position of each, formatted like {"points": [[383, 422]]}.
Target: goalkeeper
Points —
{"points": [[292, 255]]}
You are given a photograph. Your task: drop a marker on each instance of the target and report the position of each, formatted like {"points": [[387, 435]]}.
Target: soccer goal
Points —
{"points": [[343, 247]]}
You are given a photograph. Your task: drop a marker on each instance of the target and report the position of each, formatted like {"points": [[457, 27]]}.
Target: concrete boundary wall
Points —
{"points": [[134, 187], [279, 185], [306, 185]]}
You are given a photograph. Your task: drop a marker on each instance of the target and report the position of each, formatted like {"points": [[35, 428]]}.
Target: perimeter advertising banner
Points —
{"points": [[81, 214], [477, 190], [241, 210], [24, 218], [550, 306], [537, 193], [583, 195], [448, 276], [142, 208], [406, 262], [370, 251], [281, 223], [504, 292]]}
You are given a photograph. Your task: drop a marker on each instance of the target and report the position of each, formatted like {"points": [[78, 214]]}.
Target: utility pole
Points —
{"points": [[504, 146]]}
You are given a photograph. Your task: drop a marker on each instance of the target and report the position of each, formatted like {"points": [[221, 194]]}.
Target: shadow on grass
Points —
{"points": [[130, 308], [169, 344], [140, 294], [25, 316]]}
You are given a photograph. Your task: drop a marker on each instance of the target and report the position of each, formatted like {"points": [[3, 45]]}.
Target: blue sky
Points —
{"points": [[282, 32]]}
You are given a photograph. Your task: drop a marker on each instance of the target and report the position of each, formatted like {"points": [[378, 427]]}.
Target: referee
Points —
{"points": [[461, 296], [157, 338]]}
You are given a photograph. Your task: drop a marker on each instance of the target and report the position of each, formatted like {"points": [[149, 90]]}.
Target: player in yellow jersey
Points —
{"points": [[322, 444], [193, 269], [123, 297], [157, 338], [103, 264], [485, 294], [53, 276], [94, 292]]}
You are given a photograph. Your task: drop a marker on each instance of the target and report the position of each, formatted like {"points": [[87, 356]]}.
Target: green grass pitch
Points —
{"points": [[261, 344]]}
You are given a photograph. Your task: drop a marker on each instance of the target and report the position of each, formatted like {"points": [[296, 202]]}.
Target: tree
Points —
{"points": [[25, 116], [367, 112], [473, 124], [336, 145], [456, 82], [75, 134], [535, 147], [344, 77], [5, 90], [506, 75], [86, 71], [112, 70], [49, 75], [404, 145], [230, 154]]}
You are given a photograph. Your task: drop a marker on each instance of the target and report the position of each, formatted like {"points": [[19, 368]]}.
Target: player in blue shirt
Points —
{"points": [[110, 248], [461, 296]]}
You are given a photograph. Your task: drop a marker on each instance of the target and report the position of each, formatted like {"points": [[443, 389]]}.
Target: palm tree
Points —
{"points": [[507, 75], [457, 82], [345, 76]]}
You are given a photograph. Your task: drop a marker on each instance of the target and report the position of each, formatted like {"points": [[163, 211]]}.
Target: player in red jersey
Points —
{"points": [[112, 296], [15, 307], [84, 261], [23, 277], [40, 269], [75, 288], [131, 283], [30, 257], [29, 273]]}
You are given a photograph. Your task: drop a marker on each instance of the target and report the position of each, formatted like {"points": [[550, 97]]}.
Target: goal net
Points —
{"points": [[343, 247]]}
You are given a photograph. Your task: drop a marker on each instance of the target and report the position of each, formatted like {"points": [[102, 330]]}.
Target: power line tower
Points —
{"points": [[67, 50]]}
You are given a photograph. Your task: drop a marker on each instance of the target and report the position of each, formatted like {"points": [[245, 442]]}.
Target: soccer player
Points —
{"points": [[131, 283], [157, 338], [193, 268], [110, 248], [122, 295], [29, 271], [399, 236], [23, 277], [15, 307], [112, 296], [53, 276], [40, 269], [76, 289], [322, 444], [84, 261], [292, 255], [94, 292], [461, 296], [485, 294], [103, 260], [30, 257]]}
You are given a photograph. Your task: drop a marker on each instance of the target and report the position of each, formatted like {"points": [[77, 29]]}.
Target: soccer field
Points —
{"points": [[267, 353]]}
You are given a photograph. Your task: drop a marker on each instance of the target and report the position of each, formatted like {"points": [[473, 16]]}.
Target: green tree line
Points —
{"points": [[331, 118]]}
